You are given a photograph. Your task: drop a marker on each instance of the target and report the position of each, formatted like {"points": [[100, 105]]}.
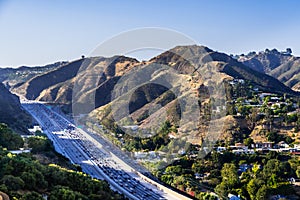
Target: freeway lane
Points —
{"points": [[90, 153]]}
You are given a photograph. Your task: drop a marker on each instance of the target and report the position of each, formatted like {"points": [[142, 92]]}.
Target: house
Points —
{"points": [[132, 127], [240, 146], [20, 151], [295, 152], [243, 151], [263, 95], [266, 145], [233, 197], [220, 149], [34, 129], [283, 144], [274, 99], [140, 155], [297, 146], [198, 176], [241, 81], [244, 167]]}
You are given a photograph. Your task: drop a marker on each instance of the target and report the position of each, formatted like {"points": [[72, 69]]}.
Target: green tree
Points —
{"points": [[229, 174], [39, 144], [177, 170], [229, 179], [32, 196], [248, 142], [9, 139], [285, 170], [262, 193], [62, 193], [12, 182], [253, 186], [29, 180], [272, 167], [222, 189], [298, 172]]}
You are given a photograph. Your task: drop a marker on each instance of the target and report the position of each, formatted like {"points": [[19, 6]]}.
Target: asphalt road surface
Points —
{"points": [[96, 156]]}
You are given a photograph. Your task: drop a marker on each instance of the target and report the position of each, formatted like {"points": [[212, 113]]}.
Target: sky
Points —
{"points": [[35, 33]]}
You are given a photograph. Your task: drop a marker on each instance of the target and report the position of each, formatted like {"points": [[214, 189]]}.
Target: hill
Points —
{"points": [[280, 65], [228, 65], [193, 65], [123, 79], [56, 85], [11, 112], [12, 77]]}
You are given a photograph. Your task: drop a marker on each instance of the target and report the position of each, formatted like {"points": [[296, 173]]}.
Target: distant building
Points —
{"points": [[263, 95], [132, 127], [198, 176], [244, 168], [274, 99], [283, 144], [233, 197], [255, 89], [297, 146], [220, 149], [20, 151], [235, 81], [243, 151], [239, 146], [35, 129], [267, 145]]}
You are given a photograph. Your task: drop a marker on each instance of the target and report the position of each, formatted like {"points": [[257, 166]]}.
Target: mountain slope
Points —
{"points": [[227, 64], [108, 86], [57, 85], [33, 87], [281, 65], [11, 112], [12, 77], [194, 71]]}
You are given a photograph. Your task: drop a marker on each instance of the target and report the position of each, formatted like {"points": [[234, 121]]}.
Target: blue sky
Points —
{"points": [[41, 32]]}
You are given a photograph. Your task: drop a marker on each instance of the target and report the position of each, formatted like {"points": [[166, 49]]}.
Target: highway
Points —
{"points": [[96, 157]]}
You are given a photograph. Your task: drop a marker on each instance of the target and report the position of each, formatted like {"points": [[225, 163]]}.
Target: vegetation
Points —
{"points": [[9, 139], [149, 144], [251, 176], [254, 176], [222, 173], [23, 177]]}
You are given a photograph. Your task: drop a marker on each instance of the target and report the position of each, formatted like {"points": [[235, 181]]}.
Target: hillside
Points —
{"points": [[193, 65], [56, 85], [30, 176], [280, 65], [11, 112], [78, 83], [228, 65], [79, 88], [12, 77]]}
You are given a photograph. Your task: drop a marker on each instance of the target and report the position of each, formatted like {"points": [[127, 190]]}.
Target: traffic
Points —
{"points": [[87, 152]]}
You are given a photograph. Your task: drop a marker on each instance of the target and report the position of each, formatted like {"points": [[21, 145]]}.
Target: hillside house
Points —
{"points": [[265, 145]]}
